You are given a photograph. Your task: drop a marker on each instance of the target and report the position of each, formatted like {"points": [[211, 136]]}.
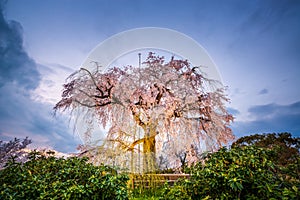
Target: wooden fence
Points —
{"points": [[154, 180]]}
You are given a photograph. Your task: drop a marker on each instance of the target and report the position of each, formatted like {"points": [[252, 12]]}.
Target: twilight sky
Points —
{"points": [[255, 44]]}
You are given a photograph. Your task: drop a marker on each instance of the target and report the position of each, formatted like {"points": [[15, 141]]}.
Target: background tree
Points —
{"points": [[285, 146], [148, 107], [12, 150]]}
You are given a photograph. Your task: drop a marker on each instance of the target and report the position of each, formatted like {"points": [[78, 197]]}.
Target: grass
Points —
{"points": [[143, 198], [150, 194]]}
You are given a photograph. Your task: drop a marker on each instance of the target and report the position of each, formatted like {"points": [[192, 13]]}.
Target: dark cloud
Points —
{"points": [[271, 118], [264, 111], [263, 91], [15, 64], [20, 115]]}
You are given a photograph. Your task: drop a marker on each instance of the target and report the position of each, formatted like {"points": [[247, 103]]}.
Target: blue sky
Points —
{"points": [[255, 44]]}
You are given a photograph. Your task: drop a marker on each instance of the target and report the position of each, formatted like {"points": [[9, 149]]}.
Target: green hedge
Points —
{"points": [[238, 173], [58, 178]]}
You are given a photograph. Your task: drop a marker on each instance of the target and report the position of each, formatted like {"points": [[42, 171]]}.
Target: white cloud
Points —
{"points": [[53, 77]]}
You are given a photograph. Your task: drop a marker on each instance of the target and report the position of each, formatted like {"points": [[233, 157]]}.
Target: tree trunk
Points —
{"points": [[149, 162]]}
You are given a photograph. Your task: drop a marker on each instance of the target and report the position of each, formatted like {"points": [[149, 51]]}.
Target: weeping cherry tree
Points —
{"points": [[155, 111]]}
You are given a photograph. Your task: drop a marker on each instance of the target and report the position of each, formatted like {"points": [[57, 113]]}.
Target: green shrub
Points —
{"points": [[178, 191], [238, 173], [58, 178]]}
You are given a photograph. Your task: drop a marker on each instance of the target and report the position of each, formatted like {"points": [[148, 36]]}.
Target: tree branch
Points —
{"points": [[84, 104], [93, 106], [90, 74]]}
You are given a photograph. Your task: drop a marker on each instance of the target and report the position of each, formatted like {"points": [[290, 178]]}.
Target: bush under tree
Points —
{"points": [[58, 178], [237, 173]]}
